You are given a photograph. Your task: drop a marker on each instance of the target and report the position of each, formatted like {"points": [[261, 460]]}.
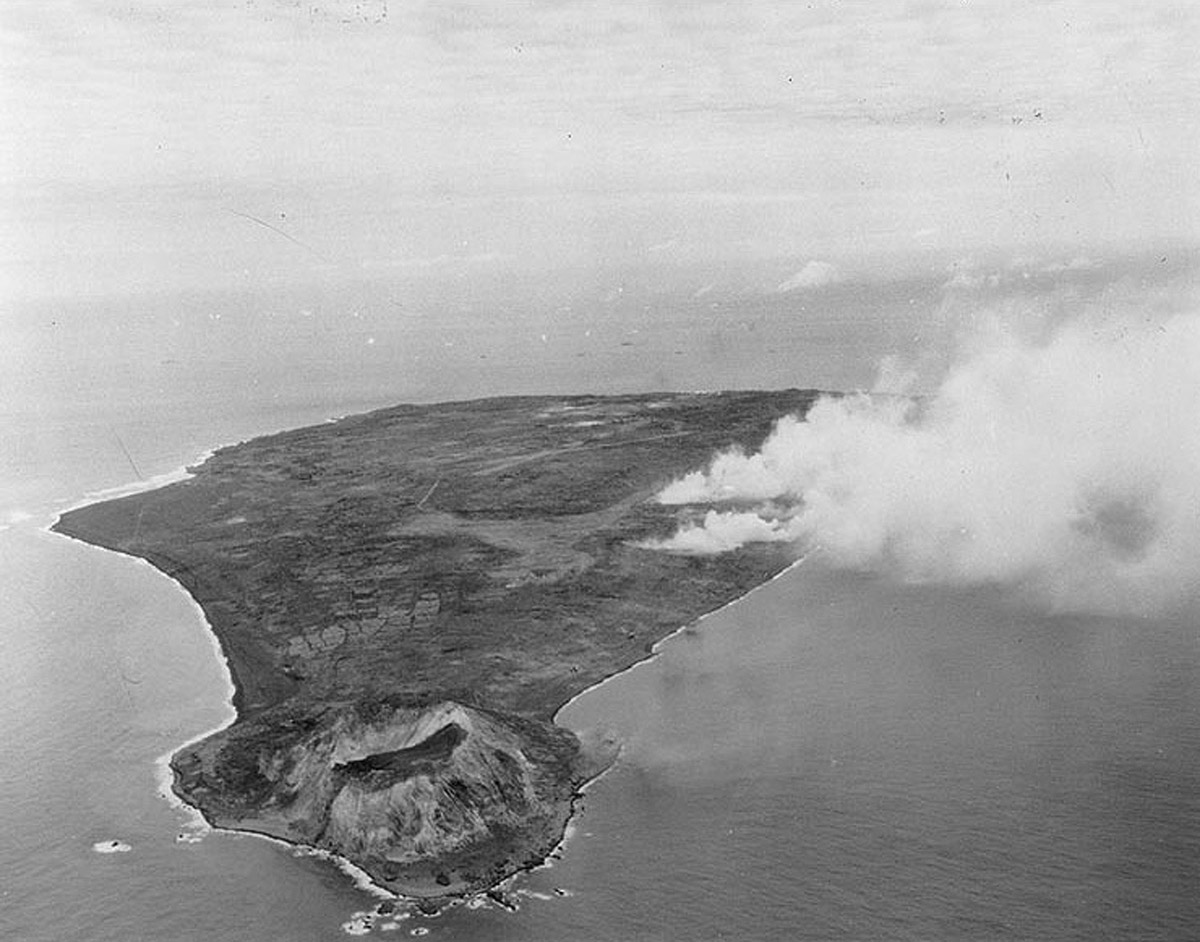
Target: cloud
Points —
{"points": [[813, 275], [609, 118], [720, 532], [966, 276], [1067, 468]]}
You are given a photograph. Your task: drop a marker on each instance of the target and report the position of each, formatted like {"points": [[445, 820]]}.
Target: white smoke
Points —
{"points": [[1068, 467], [722, 531]]}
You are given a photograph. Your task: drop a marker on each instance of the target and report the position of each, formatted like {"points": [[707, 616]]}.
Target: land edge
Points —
{"points": [[595, 758], [599, 757]]}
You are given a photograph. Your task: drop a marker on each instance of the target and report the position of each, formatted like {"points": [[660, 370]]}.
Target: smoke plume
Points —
{"points": [[1068, 467]]}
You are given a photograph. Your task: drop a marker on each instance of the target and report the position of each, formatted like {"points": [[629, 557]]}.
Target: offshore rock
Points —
{"points": [[430, 801]]}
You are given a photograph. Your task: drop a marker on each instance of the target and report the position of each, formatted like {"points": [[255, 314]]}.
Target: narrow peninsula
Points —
{"points": [[407, 597]]}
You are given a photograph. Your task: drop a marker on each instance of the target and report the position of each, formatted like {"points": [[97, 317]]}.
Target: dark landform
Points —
{"points": [[406, 598]]}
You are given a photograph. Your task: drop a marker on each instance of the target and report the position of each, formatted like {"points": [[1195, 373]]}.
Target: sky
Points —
{"points": [[155, 146]]}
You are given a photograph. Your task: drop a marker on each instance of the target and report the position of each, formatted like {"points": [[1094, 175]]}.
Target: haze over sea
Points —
{"points": [[956, 718]]}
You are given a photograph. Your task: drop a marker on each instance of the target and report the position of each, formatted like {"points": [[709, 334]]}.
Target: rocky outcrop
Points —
{"points": [[429, 800]]}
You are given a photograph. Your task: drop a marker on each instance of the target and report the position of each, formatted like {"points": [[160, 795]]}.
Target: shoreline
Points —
{"points": [[655, 649], [63, 506], [152, 483], [570, 829], [164, 775], [199, 825], [234, 697], [163, 479]]}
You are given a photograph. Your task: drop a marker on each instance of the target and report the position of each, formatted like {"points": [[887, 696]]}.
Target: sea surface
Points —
{"points": [[835, 756]]}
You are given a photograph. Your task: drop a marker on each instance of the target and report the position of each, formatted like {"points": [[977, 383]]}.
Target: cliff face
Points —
{"points": [[430, 801]]}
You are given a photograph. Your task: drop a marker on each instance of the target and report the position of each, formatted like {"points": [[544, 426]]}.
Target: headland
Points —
{"points": [[405, 599]]}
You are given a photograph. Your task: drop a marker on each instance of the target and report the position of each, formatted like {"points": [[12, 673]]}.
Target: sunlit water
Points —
{"points": [[835, 756]]}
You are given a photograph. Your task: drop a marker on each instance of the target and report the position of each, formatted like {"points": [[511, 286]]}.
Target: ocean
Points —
{"points": [[838, 755]]}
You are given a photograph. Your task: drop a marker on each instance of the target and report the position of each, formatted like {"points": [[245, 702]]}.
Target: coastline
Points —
{"points": [[165, 775], [651, 656], [199, 825], [234, 693], [152, 483], [156, 481], [570, 826], [655, 649]]}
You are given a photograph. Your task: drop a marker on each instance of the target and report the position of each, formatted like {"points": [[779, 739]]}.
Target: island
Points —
{"points": [[407, 597]]}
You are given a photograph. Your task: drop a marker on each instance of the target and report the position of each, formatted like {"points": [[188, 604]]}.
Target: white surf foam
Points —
{"points": [[112, 847]]}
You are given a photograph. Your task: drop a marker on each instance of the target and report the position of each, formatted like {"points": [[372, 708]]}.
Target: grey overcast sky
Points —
{"points": [[405, 138]]}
